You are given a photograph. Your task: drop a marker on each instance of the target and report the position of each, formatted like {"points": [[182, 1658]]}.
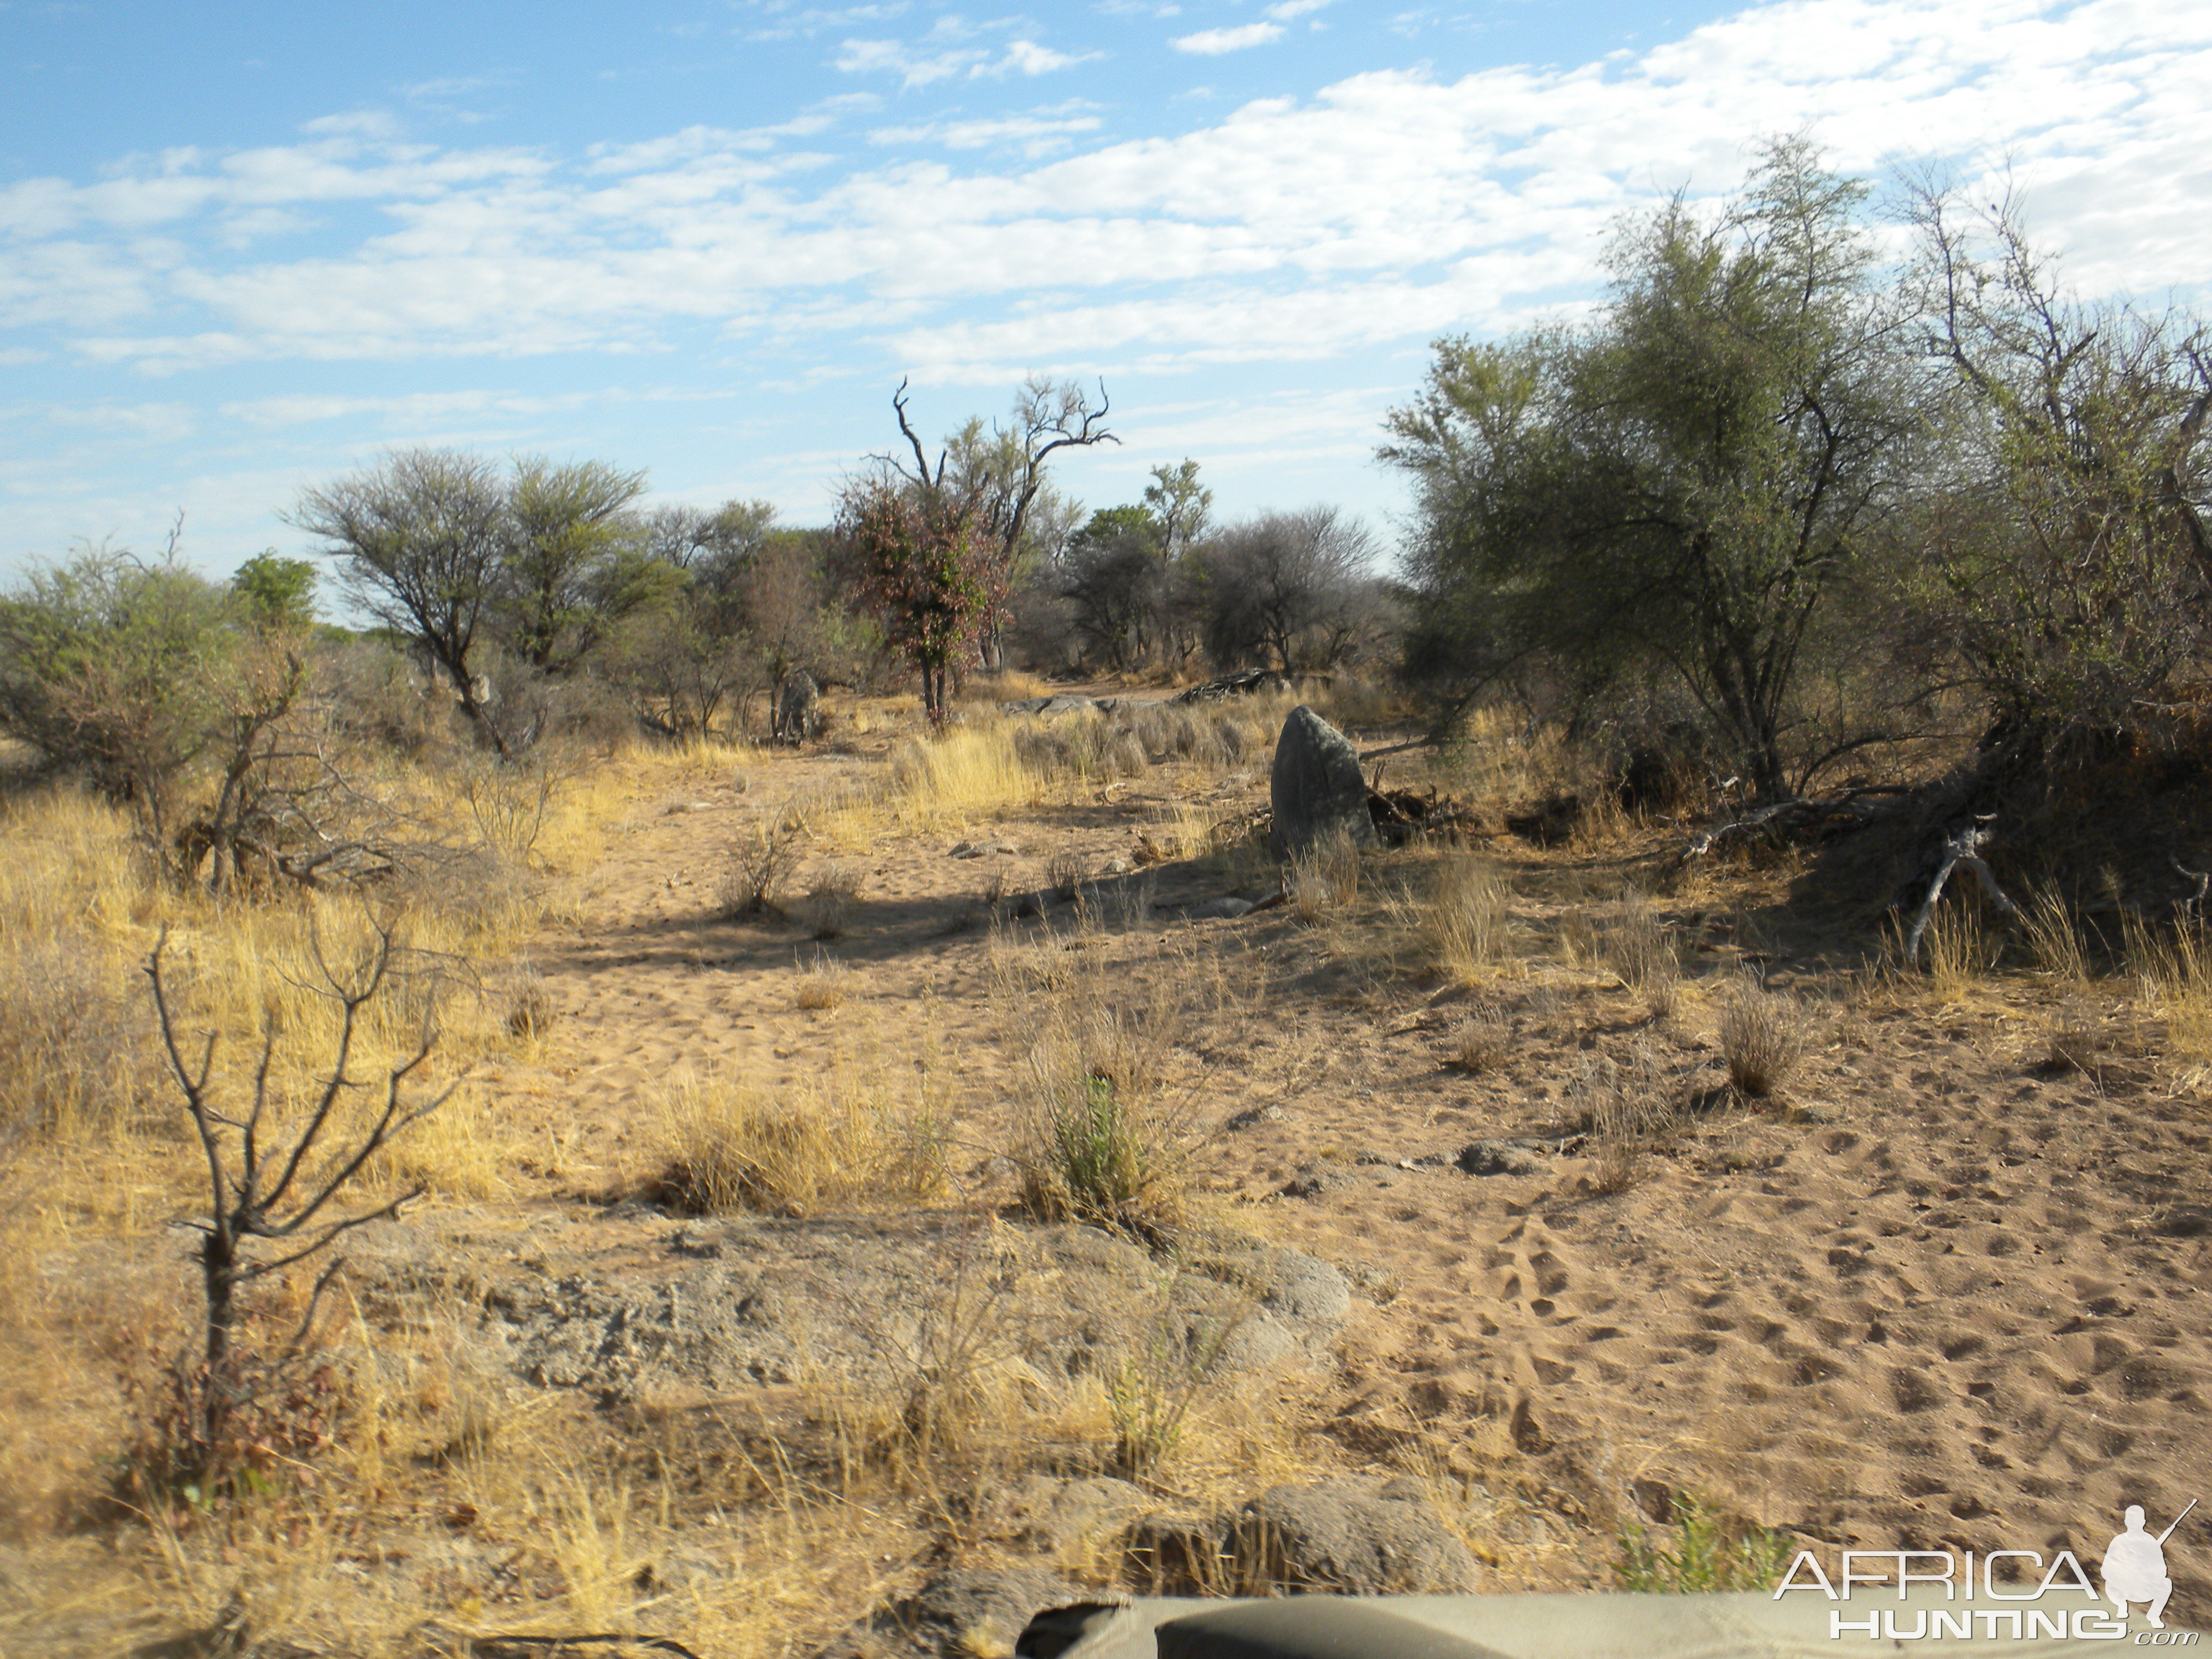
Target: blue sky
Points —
{"points": [[245, 248]]}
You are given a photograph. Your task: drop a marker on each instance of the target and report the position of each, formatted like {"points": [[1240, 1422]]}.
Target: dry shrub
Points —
{"points": [[1762, 1037], [761, 864], [2072, 1038], [530, 1010], [1627, 1108], [204, 1438], [726, 1147], [831, 896], [72, 1043], [1480, 1041], [1323, 877], [1468, 918], [1065, 874], [823, 983]]}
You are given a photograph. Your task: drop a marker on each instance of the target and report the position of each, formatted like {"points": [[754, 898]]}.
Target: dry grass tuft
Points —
{"points": [[2172, 971], [762, 862], [728, 1147], [1097, 1137], [1468, 919], [832, 895], [1635, 943], [824, 983], [1628, 1108], [1762, 1037], [1322, 877], [1480, 1041], [2055, 940], [2072, 1038]]}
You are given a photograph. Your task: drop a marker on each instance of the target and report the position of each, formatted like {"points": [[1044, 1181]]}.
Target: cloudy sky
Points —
{"points": [[246, 246]]}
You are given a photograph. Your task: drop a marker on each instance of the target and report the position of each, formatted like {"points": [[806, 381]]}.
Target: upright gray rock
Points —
{"points": [[798, 710], [1317, 788]]}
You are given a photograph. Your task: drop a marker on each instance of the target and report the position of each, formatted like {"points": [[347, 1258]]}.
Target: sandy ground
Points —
{"points": [[1937, 1293], [1945, 1294]]}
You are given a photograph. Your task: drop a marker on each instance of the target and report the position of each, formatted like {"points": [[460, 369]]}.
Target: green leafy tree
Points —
{"points": [[146, 676], [1686, 483], [278, 593]]}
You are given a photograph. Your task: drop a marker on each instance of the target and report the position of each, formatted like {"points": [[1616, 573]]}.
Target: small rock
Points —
{"points": [[958, 1614], [1253, 1117], [1312, 1180], [1495, 1158], [1226, 908]]}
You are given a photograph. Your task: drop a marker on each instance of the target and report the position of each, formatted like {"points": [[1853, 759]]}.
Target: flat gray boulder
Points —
{"points": [[1316, 790], [1349, 1537]]}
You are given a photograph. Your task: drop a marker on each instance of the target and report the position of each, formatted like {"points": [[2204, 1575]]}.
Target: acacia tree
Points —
{"points": [[926, 563], [2067, 566], [1686, 482], [1286, 588], [418, 540], [570, 565], [1183, 509]]}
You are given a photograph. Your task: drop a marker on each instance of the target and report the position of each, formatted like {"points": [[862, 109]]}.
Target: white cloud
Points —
{"points": [[1287, 9], [1031, 58], [1033, 134], [1384, 208], [921, 66], [1211, 43]]}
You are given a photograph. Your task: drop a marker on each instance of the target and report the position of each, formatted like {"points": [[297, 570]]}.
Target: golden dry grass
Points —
{"points": [[724, 1146]]}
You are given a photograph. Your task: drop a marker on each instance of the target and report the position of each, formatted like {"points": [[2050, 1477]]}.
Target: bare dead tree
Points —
{"points": [[283, 1182], [1000, 475]]}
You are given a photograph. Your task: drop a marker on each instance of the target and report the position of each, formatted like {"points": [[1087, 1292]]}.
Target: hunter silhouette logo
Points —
{"points": [[2134, 1566], [1985, 1581]]}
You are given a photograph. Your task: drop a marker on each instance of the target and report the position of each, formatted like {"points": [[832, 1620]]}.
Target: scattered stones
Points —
{"points": [[979, 849], [1316, 790]]}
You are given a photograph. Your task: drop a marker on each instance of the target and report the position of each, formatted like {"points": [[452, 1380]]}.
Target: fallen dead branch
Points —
{"points": [[1800, 818]]}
